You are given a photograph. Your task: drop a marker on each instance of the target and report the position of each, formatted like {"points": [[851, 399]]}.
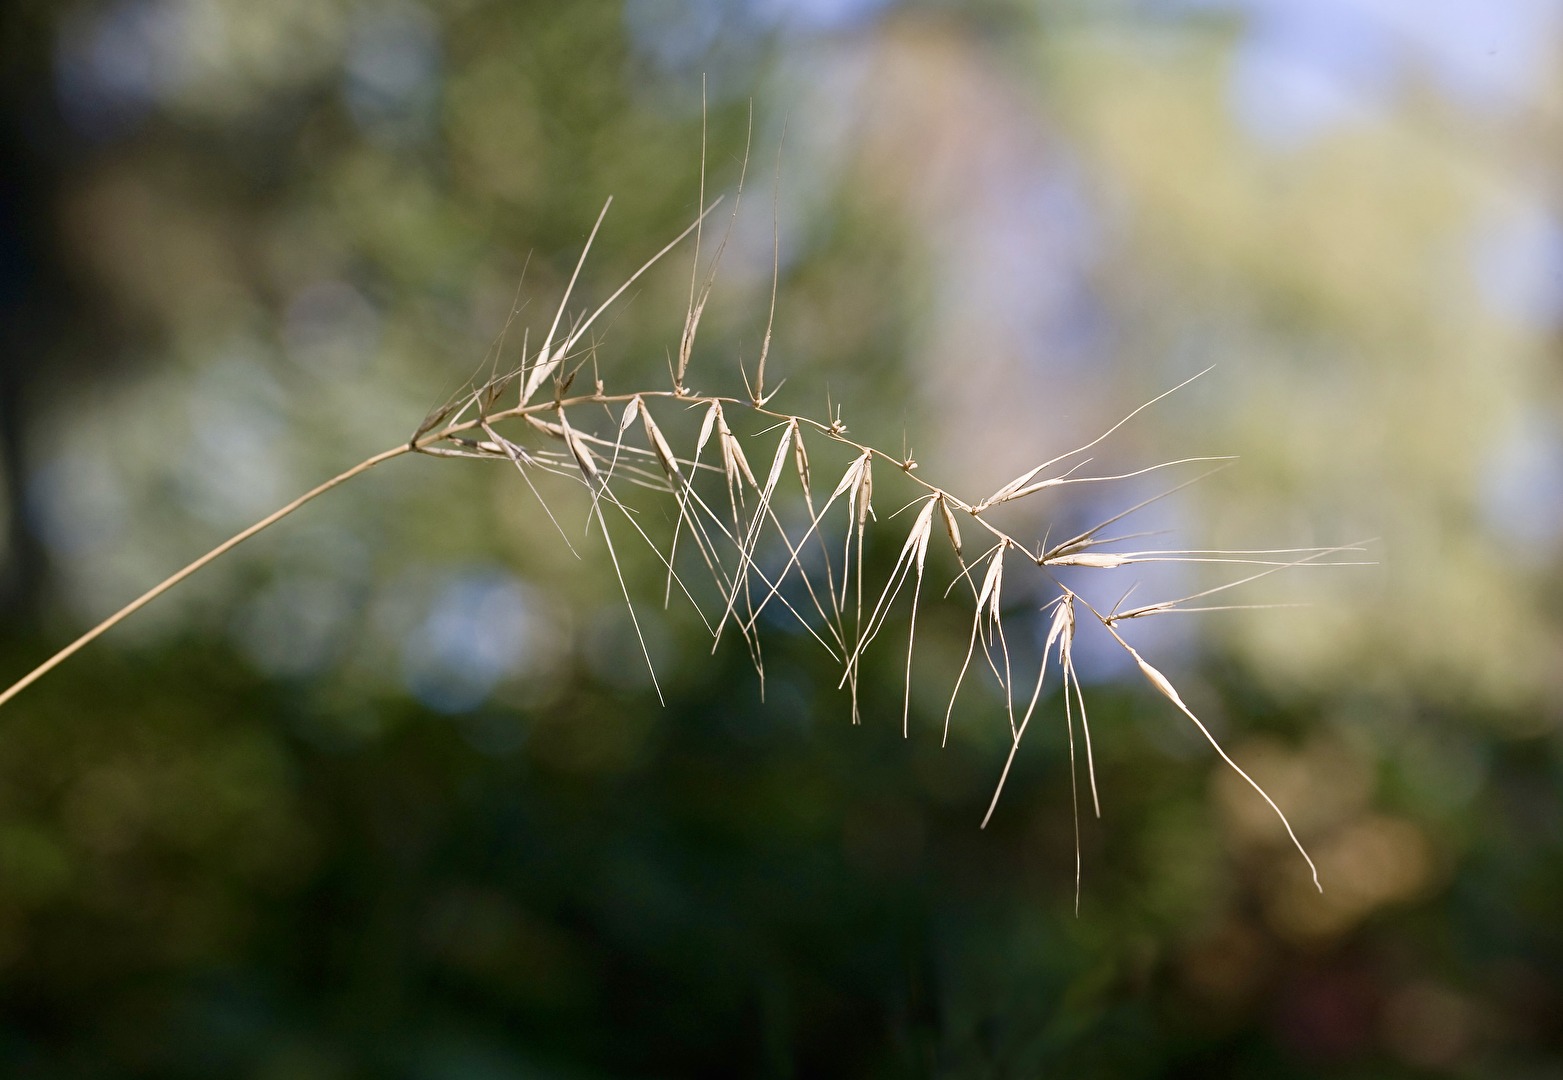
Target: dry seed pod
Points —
{"points": [[707, 425], [867, 493], [1165, 687], [1158, 680], [733, 452], [952, 529], [992, 581], [1032, 489], [1142, 611], [578, 448], [1099, 560], [850, 478], [490, 394], [778, 462], [800, 455], [436, 417], [1008, 489], [922, 529], [1063, 624], [660, 447]]}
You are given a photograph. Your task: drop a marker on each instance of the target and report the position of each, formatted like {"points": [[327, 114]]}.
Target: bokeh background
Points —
{"points": [[387, 792]]}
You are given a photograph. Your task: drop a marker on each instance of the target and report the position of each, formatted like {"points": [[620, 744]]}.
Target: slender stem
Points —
{"points": [[168, 583], [429, 439], [417, 444]]}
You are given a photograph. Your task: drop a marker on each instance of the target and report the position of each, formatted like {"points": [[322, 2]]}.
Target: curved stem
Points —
{"points": [[428, 439], [169, 582], [415, 445]]}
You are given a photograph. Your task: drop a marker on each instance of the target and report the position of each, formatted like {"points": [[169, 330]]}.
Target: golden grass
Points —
{"points": [[743, 542]]}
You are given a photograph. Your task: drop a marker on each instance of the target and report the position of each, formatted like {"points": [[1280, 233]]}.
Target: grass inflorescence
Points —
{"points": [[776, 537]]}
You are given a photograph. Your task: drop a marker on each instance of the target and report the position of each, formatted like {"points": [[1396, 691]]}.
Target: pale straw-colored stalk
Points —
{"points": [[759, 548]]}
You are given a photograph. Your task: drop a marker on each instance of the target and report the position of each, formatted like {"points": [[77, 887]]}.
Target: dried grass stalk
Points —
{"points": [[808, 561]]}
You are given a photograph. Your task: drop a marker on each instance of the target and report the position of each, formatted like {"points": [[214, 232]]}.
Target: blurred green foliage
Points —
{"points": [[387, 793]]}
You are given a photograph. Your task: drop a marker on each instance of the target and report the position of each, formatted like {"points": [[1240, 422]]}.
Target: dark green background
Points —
{"points": [[243, 836]]}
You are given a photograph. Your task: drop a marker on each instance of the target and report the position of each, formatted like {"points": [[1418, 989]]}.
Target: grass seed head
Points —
{"points": [[850, 478], [951, 528], [800, 455], [450, 431], [707, 426], [660, 447], [865, 492], [733, 453], [1099, 560], [579, 450], [992, 581]]}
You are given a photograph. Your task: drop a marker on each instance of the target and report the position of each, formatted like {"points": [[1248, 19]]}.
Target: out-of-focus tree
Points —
{"points": [[387, 792]]}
